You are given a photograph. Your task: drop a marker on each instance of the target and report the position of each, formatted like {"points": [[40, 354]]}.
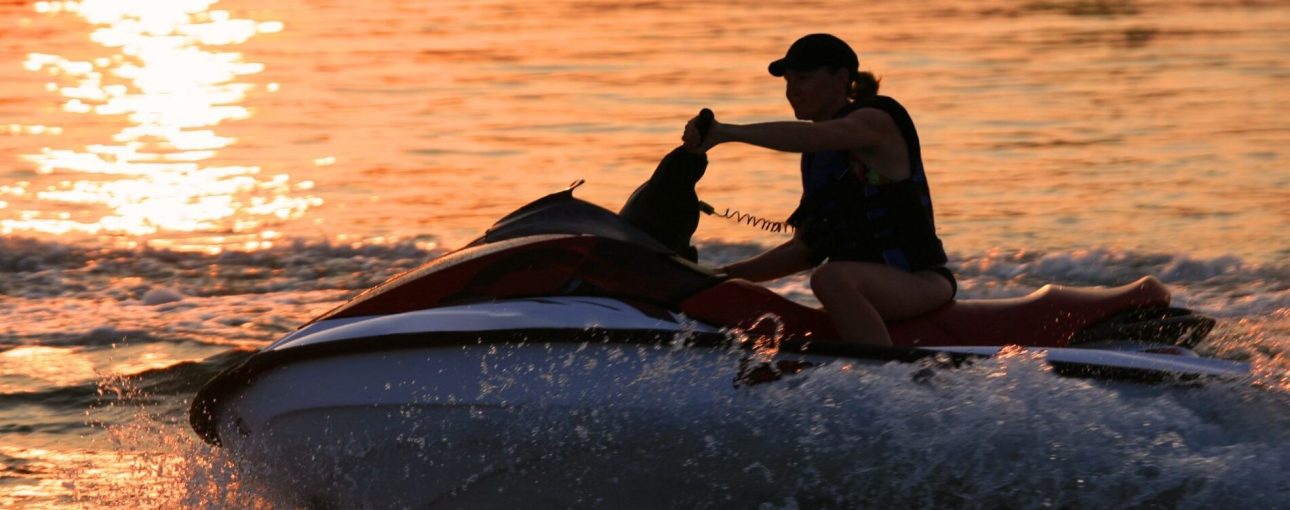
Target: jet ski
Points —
{"points": [[485, 363]]}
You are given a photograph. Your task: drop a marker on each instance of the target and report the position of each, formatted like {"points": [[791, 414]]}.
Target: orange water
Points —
{"points": [[1046, 125], [1153, 132]]}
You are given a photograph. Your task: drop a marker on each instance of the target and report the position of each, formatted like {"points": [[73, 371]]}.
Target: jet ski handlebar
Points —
{"points": [[704, 122]]}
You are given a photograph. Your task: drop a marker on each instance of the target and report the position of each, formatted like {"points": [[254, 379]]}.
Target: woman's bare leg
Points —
{"points": [[860, 296]]}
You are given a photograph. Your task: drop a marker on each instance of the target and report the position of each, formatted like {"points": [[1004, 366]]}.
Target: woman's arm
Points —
{"points": [[860, 129], [778, 262]]}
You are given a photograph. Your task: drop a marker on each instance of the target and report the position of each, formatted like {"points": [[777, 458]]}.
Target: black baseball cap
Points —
{"points": [[816, 50]]}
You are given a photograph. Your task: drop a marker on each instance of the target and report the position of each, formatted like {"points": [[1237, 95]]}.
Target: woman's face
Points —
{"points": [[816, 94]]}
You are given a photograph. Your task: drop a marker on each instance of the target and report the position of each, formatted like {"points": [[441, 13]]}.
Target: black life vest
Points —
{"points": [[845, 215]]}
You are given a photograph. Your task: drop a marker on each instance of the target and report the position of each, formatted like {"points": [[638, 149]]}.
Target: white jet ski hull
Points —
{"points": [[401, 411]]}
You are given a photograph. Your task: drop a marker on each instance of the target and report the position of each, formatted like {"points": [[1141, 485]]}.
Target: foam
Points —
{"points": [[1000, 433]]}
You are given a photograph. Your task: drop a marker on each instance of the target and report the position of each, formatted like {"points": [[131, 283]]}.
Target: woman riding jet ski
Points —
{"points": [[496, 360], [865, 223]]}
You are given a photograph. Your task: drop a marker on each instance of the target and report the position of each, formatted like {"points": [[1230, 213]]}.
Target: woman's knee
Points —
{"points": [[830, 278]]}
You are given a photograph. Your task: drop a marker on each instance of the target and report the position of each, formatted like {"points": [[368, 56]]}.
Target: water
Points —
{"points": [[183, 181]]}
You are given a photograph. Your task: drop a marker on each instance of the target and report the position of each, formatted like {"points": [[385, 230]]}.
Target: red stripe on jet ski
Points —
{"points": [[535, 266]]}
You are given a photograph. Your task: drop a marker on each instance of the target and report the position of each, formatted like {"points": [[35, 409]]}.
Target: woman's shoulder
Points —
{"points": [[872, 117], [883, 103], [882, 109]]}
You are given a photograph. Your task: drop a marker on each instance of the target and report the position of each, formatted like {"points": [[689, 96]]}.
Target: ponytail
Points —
{"points": [[864, 85]]}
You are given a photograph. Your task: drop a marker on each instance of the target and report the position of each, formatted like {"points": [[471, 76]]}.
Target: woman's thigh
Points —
{"points": [[894, 293]]}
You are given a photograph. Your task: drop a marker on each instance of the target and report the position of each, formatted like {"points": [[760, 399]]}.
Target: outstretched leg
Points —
{"points": [[860, 296]]}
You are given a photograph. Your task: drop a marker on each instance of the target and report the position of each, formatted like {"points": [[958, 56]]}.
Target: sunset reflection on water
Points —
{"points": [[321, 147], [164, 89]]}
